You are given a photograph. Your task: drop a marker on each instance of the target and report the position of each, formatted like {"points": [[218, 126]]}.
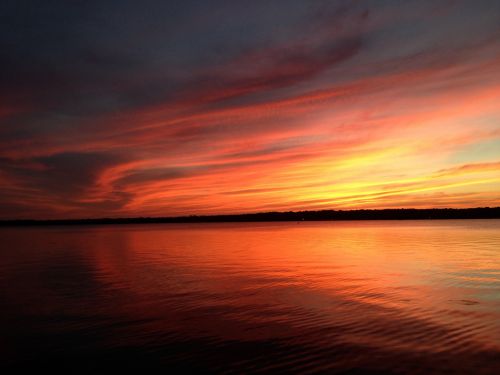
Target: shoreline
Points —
{"points": [[298, 216]]}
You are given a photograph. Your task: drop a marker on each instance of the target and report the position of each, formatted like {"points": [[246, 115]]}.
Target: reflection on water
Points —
{"points": [[339, 297]]}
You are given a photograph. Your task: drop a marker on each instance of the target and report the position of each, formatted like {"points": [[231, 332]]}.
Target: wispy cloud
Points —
{"points": [[115, 109]]}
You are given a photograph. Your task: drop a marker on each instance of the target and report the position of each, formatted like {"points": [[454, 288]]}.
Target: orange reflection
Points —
{"points": [[413, 277]]}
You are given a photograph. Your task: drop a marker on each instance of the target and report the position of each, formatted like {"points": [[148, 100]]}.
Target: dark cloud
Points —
{"points": [[282, 68], [65, 177], [68, 173]]}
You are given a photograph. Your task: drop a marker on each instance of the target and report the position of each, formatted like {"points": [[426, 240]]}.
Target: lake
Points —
{"points": [[367, 297]]}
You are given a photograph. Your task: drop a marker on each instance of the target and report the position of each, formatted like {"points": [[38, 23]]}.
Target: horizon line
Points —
{"points": [[303, 215]]}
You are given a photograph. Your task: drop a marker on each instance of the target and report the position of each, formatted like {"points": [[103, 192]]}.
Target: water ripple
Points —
{"points": [[370, 297]]}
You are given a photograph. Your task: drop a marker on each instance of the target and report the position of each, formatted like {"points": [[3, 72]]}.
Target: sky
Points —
{"points": [[167, 108]]}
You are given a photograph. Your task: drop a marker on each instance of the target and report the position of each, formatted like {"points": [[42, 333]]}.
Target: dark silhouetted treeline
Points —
{"points": [[388, 214]]}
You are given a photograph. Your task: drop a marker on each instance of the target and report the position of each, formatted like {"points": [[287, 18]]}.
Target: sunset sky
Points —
{"points": [[166, 108]]}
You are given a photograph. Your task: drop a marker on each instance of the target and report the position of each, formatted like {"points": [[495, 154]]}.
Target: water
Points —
{"points": [[413, 297]]}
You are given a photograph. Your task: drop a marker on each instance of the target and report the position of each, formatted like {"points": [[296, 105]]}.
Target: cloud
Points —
{"points": [[64, 181], [166, 108]]}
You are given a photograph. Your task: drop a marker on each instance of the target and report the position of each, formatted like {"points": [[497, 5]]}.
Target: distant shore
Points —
{"points": [[323, 215]]}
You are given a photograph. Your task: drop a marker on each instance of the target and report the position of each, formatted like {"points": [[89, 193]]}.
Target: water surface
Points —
{"points": [[411, 297]]}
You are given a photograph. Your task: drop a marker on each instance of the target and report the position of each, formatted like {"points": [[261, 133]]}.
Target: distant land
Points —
{"points": [[323, 215]]}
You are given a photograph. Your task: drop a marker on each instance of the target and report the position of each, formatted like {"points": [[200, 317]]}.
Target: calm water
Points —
{"points": [[337, 297]]}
